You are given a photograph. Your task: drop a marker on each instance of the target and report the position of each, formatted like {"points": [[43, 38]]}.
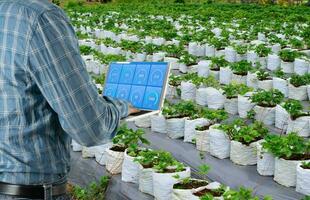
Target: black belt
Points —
{"points": [[32, 191]]}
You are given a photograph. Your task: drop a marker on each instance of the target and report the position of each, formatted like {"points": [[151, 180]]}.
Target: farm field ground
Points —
{"points": [[237, 109]]}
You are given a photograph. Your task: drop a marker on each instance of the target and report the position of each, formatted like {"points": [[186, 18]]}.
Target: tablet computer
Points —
{"points": [[143, 84]]}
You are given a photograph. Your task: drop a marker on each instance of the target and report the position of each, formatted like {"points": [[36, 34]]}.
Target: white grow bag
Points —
{"points": [[188, 91], [265, 114], [252, 57], [215, 74], [189, 128], [219, 143], [76, 146], [265, 84], [301, 126], [174, 62], [297, 93], [239, 79], [285, 172], [242, 154], [281, 85], [225, 75], [263, 62], [130, 169], [301, 66], [203, 140], [185, 194], [252, 80], [158, 123], [183, 68], [114, 161], [240, 57], [146, 180], [230, 54], [144, 122], [273, 62], [175, 127], [244, 106], [303, 180], [163, 183], [265, 161], [231, 106], [100, 153], [203, 68], [281, 118], [210, 51], [201, 96], [211, 186], [287, 67], [215, 98]]}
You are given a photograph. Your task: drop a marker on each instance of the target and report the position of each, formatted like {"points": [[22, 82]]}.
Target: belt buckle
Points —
{"points": [[48, 191]]}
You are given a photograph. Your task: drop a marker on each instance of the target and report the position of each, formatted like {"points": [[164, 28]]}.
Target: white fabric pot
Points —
{"points": [[203, 68], [188, 91], [265, 161], [231, 106], [201, 96], [297, 93], [189, 128], [252, 57], [171, 92], [265, 84], [265, 114], [225, 75], [230, 54], [100, 153], [203, 140], [252, 80], [130, 169], [238, 79], [114, 161], [281, 118], [263, 62], [219, 143], [219, 53], [146, 180], [89, 152], [174, 62], [215, 74], [157, 57], [215, 98], [183, 68], [301, 126], [158, 123], [301, 66], [244, 106], [281, 85], [144, 122], [184, 194], [276, 48], [287, 67], [210, 51], [163, 183], [242, 154], [76, 146], [273, 62], [285, 172], [175, 127], [240, 57], [303, 180], [211, 186], [140, 57]]}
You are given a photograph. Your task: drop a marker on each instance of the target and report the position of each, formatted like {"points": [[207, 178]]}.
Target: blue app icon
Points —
{"points": [[127, 74], [114, 73], [123, 92], [110, 90], [137, 95], [157, 75], [152, 98], [141, 75]]}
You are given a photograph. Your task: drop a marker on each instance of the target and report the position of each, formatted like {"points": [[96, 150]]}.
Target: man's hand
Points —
{"points": [[132, 110]]}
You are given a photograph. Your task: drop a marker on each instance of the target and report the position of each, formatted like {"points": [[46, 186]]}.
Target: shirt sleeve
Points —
{"points": [[55, 64]]}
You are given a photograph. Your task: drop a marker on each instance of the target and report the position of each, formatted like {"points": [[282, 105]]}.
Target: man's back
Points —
{"points": [[45, 94]]}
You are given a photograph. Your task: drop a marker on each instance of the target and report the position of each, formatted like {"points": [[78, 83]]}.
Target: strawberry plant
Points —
{"points": [[241, 67], [233, 90], [242, 194], [262, 50], [263, 75], [305, 165], [294, 108], [299, 80], [288, 55], [241, 49], [217, 62], [267, 98]]}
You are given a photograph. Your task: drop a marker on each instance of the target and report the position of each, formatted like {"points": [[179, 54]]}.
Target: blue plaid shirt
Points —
{"points": [[46, 94]]}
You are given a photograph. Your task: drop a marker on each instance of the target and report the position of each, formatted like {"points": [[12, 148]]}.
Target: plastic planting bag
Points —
{"points": [[144, 122], [285, 172], [287, 67], [303, 180], [114, 161], [225, 75], [301, 66], [183, 68], [203, 68], [174, 62], [231, 106], [239, 79], [130, 172], [265, 84], [146, 180], [242, 154], [163, 183], [188, 91], [273, 62], [263, 62], [265, 161], [281, 118], [201, 96], [230, 54], [219, 53], [301, 126], [203, 140], [158, 123], [189, 128], [265, 114], [100, 153], [215, 98], [244, 105], [184, 194], [281, 85], [215, 74], [210, 51], [252, 80], [175, 127], [76, 146], [219, 143], [252, 57], [297, 93], [211, 186]]}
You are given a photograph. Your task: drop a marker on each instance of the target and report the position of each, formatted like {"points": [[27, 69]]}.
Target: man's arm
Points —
{"points": [[56, 66]]}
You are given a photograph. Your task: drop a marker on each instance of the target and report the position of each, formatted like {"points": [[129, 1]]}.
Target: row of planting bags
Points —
{"points": [[159, 185], [218, 144]]}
